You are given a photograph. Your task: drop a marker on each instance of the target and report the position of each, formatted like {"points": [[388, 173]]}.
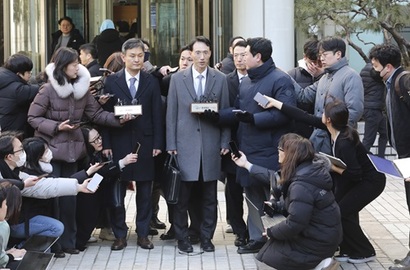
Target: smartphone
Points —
{"points": [[42, 176], [105, 70], [76, 122], [136, 148], [263, 101], [234, 149], [94, 182], [105, 162], [238, 111]]}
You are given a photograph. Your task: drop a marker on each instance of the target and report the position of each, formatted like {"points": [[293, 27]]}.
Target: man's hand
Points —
{"points": [[210, 116], [156, 152], [245, 117], [224, 151], [130, 158], [164, 70], [127, 117], [31, 181]]}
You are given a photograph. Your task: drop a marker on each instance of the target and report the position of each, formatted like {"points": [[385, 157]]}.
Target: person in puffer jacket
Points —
{"points": [[312, 229]]}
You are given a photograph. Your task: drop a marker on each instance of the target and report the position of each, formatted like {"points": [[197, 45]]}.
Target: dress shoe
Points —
{"points": [[405, 261], [169, 235], [185, 246], [71, 250], [363, 259], [228, 228], [145, 243], [207, 245], [81, 248], [194, 239], [252, 247], [153, 231], [119, 243], [240, 241], [157, 224], [59, 254]]}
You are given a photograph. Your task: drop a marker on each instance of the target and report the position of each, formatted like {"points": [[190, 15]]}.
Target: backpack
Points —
{"points": [[403, 94]]}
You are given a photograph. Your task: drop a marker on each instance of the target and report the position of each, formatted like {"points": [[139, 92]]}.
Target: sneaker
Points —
{"points": [[328, 264], [107, 234], [341, 257], [92, 240], [228, 228], [362, 259]]}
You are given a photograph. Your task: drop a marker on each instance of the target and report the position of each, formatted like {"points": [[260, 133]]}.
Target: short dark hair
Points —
{"points": [[233, 39], [89, 48], [184, 48], [386, 54], [200, 39], [333, 44], [34, 148], [260, 45], [311, 49], [146, 43], [18, 63], [131, 44], [61, 59], [66, 18], [241, 43], [6, 143]]}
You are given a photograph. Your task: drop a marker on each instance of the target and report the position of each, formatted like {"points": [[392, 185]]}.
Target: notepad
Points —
{"points": [[35, 260], [263, 222], [397, 168], [335, 161]]}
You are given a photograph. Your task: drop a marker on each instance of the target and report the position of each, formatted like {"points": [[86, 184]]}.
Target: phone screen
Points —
{"points": [[136, 148], [234, 149]]}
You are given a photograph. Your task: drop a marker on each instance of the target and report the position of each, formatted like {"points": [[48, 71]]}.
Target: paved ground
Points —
{"points": [[386, 221]]}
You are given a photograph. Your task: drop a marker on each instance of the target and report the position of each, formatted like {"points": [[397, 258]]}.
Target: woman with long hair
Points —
{"points": [[355, 186], [312, 229]]}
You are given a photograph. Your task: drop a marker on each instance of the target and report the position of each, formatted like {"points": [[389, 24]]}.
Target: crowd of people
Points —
{"points": [[60, 131]]}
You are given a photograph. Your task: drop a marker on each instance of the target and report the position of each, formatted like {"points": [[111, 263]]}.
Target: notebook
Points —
{"points": [[35, 260], [335, 161], [397, 168], [39, 243], [262, 222]]}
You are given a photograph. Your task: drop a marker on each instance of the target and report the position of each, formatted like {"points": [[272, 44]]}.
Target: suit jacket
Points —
{"points": [[146, 129], [197, 142]]}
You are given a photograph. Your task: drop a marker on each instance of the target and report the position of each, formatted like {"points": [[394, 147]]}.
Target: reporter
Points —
{"points": [[312, 229], [355, 186]]}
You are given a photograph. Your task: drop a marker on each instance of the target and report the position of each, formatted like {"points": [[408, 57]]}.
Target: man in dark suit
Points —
{"points": [[132, 86], [197, 143]]}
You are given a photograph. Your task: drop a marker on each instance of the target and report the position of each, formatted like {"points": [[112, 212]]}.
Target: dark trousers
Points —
{"points": [[66, 206], [208, 208], [234, 204], [375, 122], [144, 211], [352, 197]]}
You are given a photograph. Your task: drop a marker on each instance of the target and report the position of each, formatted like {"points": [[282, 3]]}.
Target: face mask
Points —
{"points": [[22, 160], [146, 56], [46, 167], [48, 156], [375, 75]]}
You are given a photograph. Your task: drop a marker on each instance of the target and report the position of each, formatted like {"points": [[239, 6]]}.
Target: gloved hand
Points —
{"points": [[210, 116], [245, 117]]}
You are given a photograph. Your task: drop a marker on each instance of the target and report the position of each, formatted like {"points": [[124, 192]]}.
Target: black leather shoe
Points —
{"points": [[153, 231], [157, 224], [59, 254], [119, 243], [207, 245], [194, 239], [252, 247], [169, 235], [71, 250], [240, 241], [145, 243], [81, 248], [185, 246]]}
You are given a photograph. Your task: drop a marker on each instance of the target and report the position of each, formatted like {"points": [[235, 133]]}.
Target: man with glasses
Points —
{"points": [[133, 86], [339, 82]]}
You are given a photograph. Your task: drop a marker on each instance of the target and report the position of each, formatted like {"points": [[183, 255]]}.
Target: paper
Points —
{"points": [[335, 161]]}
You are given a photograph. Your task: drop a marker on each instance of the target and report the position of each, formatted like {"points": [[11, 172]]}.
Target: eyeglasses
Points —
{"points": [[280, 149], [326, 53], [21, 150], [98, 139]]}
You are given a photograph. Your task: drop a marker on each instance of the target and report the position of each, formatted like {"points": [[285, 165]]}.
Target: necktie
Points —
{"points": [[133, 90], [199, 91]]}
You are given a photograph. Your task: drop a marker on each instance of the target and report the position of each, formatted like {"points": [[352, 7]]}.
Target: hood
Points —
{"points": [[336, 66], [78, 89], [261, 71], [7, 77], [109, 35], [106, 24], [316, 172]]}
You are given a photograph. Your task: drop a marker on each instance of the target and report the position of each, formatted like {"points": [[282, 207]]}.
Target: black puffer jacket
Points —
{"points": [[108, 42], [312, 230], [15, 98], [75, 41], [374, 89]]}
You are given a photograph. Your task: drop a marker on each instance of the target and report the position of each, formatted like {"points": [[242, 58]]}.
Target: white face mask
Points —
{"points": [[47, 157], [46, 167], [22, 160]]}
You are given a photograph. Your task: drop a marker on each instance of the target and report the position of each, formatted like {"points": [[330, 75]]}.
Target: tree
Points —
{"points": [[355, 17]]}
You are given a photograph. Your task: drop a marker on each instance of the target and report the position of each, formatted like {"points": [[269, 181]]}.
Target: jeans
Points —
{"points": [[38, 225]]}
